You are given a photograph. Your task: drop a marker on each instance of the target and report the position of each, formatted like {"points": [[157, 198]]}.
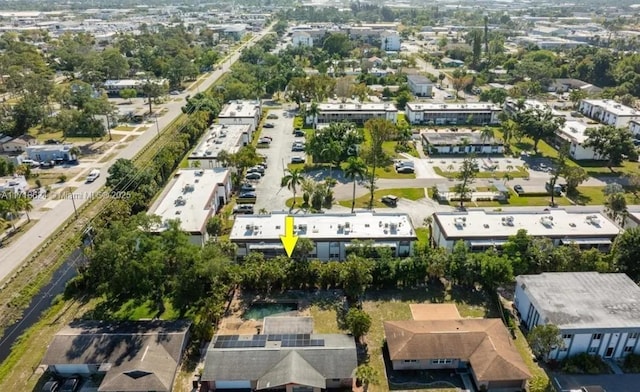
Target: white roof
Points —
{"points": [[361, 225], [188, 197], [452, 107], [13, 184], [360, 107], [613, 107], [573, 131], [237, 109], [556, 223], [218, 138]]}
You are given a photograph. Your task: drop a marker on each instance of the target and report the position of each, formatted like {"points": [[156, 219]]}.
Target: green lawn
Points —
{"points": [[405, 193], [594, 195], [423, 235], [133, 310], [520, 172]]}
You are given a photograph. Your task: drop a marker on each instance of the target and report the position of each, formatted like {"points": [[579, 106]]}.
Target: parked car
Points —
{"points": [[263, 165], [268, 125], [247, 188], [390, 200], [253, 176], [297, 159], [519, 189], [404, 163], [267, 137], [71, 384], [243, 209], [93, 175], [298, 133], [264, 140], [174, 92], [51, 386], [272, 116], [256, 169], [52, 141], [247, 195], [405, 169], [297, 147]]}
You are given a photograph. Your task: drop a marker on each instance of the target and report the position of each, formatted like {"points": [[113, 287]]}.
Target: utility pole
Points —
{"points": [[75, 210], [157, 126]]}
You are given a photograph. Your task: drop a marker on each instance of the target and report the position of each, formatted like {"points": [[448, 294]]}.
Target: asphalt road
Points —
{"points": [[13, 255]]}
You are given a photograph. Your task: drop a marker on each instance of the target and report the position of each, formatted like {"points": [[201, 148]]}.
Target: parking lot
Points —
{"points": [[270, 195]]}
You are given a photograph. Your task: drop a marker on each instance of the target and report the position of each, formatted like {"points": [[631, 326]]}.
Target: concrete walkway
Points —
{"points": [[614, 366]]}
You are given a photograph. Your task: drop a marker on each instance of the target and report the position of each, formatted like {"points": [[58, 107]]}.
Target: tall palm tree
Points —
{"points": [[487, 134], [292, 180], [354, 170], [313, 111], [24, 204], [74, 152]]}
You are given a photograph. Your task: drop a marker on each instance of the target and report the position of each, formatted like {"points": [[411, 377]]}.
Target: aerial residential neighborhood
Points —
{"points": [[319, 196]]}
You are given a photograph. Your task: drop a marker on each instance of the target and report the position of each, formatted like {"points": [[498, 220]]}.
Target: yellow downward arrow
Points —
{"points": [[288, 239]]}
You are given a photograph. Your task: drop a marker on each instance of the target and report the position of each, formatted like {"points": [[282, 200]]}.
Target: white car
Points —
{"points": [[93, 175]]}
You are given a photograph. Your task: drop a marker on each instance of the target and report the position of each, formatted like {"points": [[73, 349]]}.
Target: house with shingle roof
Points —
{"points": [[482, 346]]}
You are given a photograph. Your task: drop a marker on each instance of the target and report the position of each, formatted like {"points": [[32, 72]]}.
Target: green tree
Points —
{"points": [[152, 90], [367, 375], [355, 276], [292, 180], [355, 170], [495, 270], [626, 253], [380, 131], [358, 322], [115, 65], [487, 134], [574, 176], [576, 95], [545, 338], [303, 249], [467, 174], [128, 93], [537, 124], [616, 207], [611, 143]]}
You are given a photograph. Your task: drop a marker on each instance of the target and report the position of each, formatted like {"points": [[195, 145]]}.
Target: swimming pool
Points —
{"points": [[260, 310]]}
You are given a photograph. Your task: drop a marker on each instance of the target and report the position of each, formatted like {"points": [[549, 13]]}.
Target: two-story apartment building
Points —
{"points": [[608, 112], [241, 113], [420, 113], [358, 113]]}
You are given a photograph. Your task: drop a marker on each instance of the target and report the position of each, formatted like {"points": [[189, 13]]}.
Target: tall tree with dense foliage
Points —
{"points": [[469, 169], [545, 338], [611, 143], [292, 180], [358, 322], [616, 207], [380, 131], [537, 124], [626, 253]]}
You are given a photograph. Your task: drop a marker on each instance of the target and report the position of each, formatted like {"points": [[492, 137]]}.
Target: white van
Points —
{"points": [[95, 173]]}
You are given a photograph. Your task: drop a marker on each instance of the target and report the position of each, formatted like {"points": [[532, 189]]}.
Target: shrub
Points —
{"points": [[585, 364], [631, 364]]}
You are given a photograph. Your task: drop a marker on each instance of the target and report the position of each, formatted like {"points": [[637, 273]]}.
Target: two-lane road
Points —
{"points": [[18, 250]]}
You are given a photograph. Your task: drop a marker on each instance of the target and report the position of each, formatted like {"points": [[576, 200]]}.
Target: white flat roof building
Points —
{"points": [[452, 113], [331, 233], [219, 137], [608, 112], [574, 133], [481, 229], [14, 184], [597, 313], [241, 113], [193, 196], [358, 113]]}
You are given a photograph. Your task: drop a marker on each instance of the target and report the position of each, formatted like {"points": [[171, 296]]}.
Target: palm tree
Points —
{"points": [[313, 111], [291, 181], [24, 203], [74, 152], [354, 170], [487, 134], [616, 207]]}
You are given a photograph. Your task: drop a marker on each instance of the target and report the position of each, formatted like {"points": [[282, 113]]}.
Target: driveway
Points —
{"points": [[610, 382], [270, 195]]}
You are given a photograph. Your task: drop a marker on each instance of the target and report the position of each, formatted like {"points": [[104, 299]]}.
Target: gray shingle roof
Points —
{"points": [[337, 359], [140, 356], [292, 369]]}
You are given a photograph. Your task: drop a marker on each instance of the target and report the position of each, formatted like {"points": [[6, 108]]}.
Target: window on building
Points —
{"points": [[628, 349], [441, 361], [592, 350], [597, 336], [410, 360], [633, 335], [567, 336], [563, 349]]}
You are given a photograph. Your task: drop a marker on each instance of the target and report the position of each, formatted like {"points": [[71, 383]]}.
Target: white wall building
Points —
{"points": [[420, 86], [608, 112], [358, 113], [241, 112], [219, 137], [332, 234], [596, 313], [14, 184], [459, 143], [301, 38], [634, 127], [573, 133], [15, 144], [192, 197], [482, 230], [452, 113], [113, 87], [390, 41]]}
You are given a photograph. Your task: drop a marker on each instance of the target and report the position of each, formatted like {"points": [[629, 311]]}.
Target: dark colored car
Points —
{"points": [[243, 209], [253, 176], [71, 384], [390, 200], [272, 116], [256, 169], [247, 188], [298, 133], [248, 195], [519, 190], [52, 141], [268, 125]]}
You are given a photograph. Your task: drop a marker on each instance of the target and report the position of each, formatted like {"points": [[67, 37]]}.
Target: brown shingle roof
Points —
{"points": [[484, 343]]}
